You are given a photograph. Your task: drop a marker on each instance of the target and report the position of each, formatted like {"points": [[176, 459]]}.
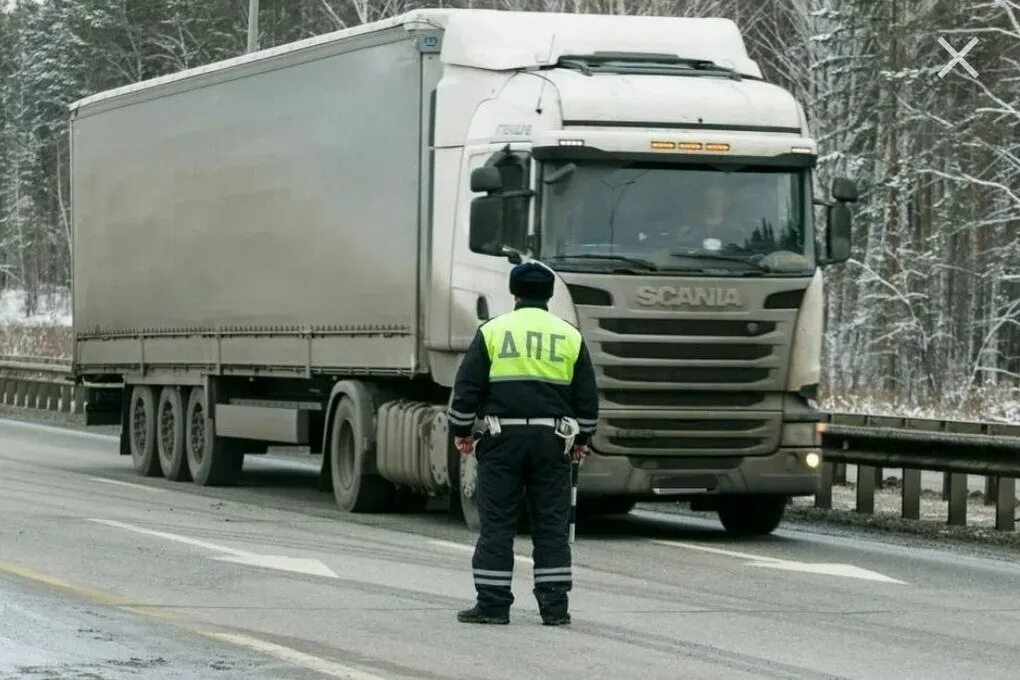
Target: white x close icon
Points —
{"points": [[958, 57]]}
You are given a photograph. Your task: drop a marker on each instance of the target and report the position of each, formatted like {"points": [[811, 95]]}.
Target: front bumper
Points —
{"points": [[784, 472]]}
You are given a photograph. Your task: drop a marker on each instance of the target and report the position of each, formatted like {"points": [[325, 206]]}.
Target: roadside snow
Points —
{"points": [[1003, 406], [53, 308]]}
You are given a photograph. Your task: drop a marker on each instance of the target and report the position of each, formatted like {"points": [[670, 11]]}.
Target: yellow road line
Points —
{"points": [[326, 667]]}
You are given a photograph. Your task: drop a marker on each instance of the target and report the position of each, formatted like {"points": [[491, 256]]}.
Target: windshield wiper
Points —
{"points": [[723, 258], [650, 266]]}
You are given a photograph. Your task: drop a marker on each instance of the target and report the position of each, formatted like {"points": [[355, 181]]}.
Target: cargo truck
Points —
{"points": [[295, 247]]}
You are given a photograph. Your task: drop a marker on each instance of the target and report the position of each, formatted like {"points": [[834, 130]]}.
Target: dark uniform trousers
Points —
{"points": [[523, 460]]}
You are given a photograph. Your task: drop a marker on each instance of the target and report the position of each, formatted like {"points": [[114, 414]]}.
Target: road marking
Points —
{"points": [[471, 548], [313, 663], [292, 656], [300, 565], [81, 592], [104, 480], [827, 569]]}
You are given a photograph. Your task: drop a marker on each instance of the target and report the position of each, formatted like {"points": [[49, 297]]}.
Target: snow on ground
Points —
{"points": [[53, 308], [1001, 406]]}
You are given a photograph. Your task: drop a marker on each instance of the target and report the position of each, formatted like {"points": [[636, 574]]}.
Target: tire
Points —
{"points": [[142, 432], [354, 490], [214, 461], [605, 505], [173, 459], [751, 515]]}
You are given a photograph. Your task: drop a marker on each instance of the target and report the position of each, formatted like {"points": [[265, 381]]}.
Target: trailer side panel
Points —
{"points": [[268, 220]]}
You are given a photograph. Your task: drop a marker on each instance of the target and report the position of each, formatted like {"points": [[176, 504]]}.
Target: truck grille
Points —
{"points": [[692, 383], [704, 387], [718, 434], [692, 327], [681, 425], [678, 399], [727, 444], [686, 351], [674, 374]]}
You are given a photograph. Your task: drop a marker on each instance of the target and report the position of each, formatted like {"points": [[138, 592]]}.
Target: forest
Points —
{"points": [[925, 317]]}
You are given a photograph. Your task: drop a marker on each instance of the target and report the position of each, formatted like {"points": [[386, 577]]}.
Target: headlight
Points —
{"points": [[813, 460]]}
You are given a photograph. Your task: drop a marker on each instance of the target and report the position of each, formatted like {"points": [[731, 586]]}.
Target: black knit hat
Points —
{"points": [[531, 281]]}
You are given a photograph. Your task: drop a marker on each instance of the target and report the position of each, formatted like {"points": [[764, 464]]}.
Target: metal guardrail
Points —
{"points": [[955, 447], [44, 383], [871, 442]]}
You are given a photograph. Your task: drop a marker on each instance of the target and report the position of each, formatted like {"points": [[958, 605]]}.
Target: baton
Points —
{"points": [[575, 466]]}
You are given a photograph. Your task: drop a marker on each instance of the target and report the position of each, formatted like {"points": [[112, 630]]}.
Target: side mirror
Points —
{"points": [[486, 229], [486, 179], [844, 190], [837, 237]]}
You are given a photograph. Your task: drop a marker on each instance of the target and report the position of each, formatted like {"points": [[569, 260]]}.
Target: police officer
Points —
{"points": [[527, 371]]}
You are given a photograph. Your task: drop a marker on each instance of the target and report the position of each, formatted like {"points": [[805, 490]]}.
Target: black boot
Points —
{"points": [[476, 615], [555, 619]]}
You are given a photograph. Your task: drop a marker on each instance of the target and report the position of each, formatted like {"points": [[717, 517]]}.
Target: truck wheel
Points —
{"points": [[354, 490], [173, 460], [142, 433], [468, 486], [214, 461], [751, 515]]}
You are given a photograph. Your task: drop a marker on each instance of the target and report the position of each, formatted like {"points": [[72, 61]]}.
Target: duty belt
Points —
{"points": [[539, 422], [566, 429]]}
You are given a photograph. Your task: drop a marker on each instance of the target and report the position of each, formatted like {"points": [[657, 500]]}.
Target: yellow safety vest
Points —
{"points": [[531, 344]]}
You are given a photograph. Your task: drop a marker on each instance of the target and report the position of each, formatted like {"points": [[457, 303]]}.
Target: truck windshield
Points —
{"points": [[599, 215]]}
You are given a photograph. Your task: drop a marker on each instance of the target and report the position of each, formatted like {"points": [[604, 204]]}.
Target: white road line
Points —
{"points": [[313, 663], [300, 565], [470, 548], [59, 430], [170, 537], [824, 568], [104, 480], [452, 545], [717, 551]]}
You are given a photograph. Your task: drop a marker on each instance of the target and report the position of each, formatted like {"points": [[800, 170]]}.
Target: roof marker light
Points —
{"points": [[689, 146], [571, 142], [717, 147], [664, 146]]}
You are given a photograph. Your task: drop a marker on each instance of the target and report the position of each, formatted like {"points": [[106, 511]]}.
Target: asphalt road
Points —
{"points": [[104, 575]]}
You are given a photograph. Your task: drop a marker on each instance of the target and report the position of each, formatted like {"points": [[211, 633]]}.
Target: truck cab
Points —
{"points": [[671, 190]]}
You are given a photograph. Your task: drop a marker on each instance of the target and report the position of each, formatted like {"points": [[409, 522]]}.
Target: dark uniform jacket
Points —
{"points": [[541, 369]]}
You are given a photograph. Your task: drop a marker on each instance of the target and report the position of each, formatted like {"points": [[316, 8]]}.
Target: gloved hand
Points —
{"points": [[466, 445], [579, 452]]}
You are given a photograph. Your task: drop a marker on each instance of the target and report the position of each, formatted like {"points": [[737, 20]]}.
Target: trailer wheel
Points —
{"points": [[173, 459], [142, 432], [214, 461], [751, 515], [355, 491]]}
